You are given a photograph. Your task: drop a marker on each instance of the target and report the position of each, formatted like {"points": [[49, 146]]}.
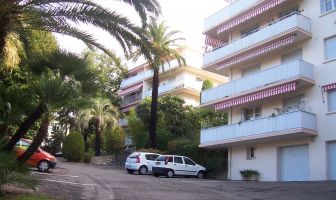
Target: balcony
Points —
{"points": [[128, 100], [193, 86], [294, 70], [280, 127], [228, 12], [292, 25], [147, 74]]}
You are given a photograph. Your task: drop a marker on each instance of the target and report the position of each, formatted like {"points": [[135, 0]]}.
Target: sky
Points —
{"points": [[186, 16]]}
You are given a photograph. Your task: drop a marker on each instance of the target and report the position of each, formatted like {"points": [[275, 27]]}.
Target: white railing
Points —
{"points": [[284, 122], [228, 12], [174, 85], [147, 74], [289, 70], [275, 29]]}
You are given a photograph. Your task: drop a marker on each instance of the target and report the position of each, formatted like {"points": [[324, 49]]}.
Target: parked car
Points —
{"points": [[171, 165], [141, 162], [42, 160]]}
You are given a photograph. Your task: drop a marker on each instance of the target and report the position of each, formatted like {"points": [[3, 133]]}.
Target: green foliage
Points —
{"points": [[87, 157], [207, 84], [11, 173], [150, 150], [73, 147], [248, 173], [137, 130], [114, 140]]}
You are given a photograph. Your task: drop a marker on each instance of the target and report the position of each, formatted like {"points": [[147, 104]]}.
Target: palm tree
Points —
{"points": [[163, 48], [59, 16], [52, 92], [103, 113]]}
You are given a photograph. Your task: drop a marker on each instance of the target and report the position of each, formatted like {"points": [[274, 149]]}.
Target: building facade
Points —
{"points": [[185, 82], [280, 58]]}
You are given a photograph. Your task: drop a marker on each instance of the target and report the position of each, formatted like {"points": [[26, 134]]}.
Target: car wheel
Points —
{"points": [[130, 171], [43, 166], [143, 170], [170, 173], [200, 174], [156, 174]]}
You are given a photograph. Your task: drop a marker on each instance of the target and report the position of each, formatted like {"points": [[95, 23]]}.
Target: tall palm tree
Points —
{"points": [[59, 16], [103, 113], [163, 48]]}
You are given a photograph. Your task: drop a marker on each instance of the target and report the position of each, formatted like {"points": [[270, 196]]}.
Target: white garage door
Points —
{"points": [[332, 161], [294, 163]]}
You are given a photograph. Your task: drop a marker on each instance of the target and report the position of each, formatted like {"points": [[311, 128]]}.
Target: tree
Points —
{"points": [[163, 48], [207, 84], [59, 16], [114, 139], [73, 148], [103, 113]]}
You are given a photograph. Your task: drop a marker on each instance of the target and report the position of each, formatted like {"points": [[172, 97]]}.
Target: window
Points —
{"points": [[151, 156], [250, 70], [188, 161], [329, 48], [327, 5], [199, 79], [252, 113], [332, 100], [170, 159], [251, 153], [293, 55], [178, 160]]}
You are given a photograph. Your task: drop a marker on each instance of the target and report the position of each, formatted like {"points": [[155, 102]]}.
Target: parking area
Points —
{"points": [[81, 181]]}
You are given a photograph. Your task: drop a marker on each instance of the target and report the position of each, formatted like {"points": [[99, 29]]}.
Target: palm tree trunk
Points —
{"points": [[98, 133], [38, 139], [25, 126], [153, 116]]}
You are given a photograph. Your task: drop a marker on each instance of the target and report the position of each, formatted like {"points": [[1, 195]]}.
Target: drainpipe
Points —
{"points": [[229, 164]]}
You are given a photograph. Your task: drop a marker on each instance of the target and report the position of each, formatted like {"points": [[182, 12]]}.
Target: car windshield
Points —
{"points": [[161, 158]]}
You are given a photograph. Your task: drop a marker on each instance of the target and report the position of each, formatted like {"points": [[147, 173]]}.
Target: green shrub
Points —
{"points": [[87, 157], [73, 147], [207, 84], [113, 140], [247, 174], [11, 173]]}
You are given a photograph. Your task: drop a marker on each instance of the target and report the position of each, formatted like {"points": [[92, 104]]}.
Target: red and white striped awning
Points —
{"points": [[254, 13], [214, 43], [129, 90], [254, 53], [257, 96], [329, 87]]}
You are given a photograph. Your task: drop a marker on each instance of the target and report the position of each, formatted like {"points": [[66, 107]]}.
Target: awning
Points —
{"points": [[249, 15], [214, 43], [134, 88], [254, 53], [329, 87], [257, 96]]}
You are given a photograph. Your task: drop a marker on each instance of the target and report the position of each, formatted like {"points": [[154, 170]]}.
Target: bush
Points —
{"points": [[150, 150], [207, 84], [73, 147], [11, 173], [87, 157], [114, 140]]}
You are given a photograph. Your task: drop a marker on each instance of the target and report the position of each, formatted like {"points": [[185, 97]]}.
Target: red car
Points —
{"points": [[42, 160]]}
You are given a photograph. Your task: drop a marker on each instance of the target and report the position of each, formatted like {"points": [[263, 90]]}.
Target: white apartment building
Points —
{"points": [[185, 82], [280, 57]]}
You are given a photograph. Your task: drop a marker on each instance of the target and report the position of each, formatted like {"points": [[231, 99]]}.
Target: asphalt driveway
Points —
{"points": [[82, 181]]}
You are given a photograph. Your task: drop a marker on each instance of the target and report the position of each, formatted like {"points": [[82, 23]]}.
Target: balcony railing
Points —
{"points": [[264, 34], [285, 71], [279, 125], [175, 85], [131, 99], [228, 12]]}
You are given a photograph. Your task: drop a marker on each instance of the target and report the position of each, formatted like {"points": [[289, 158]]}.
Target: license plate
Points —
{"points": [[158, 163]]}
